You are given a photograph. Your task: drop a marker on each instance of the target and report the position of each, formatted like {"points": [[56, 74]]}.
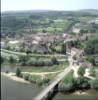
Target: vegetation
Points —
{"points": [[26, 61], [82, 83], [81, 71], [63, 48], [2, 60], [92, 72], [67, 84], [91, 60], [70, 84], [54, 68], [91, 50], [91, 47], [54, 60], [12, 59], [94, 84], [38, 79], [18, 72]]}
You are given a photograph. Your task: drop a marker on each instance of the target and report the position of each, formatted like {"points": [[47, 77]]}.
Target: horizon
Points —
{"points": [[44, 10], [52, 5]]}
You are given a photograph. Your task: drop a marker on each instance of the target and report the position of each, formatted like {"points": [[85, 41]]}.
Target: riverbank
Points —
{"points": [[80, 93], [13, 77]]}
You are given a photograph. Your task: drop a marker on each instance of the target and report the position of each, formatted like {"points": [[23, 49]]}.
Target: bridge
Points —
{"points": [[49, 89]]}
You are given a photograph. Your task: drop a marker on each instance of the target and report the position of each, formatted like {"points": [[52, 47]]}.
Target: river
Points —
{"points": [[12, 90]]}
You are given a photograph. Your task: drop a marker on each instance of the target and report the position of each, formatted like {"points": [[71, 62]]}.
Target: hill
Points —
{"points": [[30, 22]]}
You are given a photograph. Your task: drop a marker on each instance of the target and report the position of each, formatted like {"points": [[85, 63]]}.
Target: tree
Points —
{"points": [[91, 46], [62, 87], [12, 59], [44, 31], [72, 33], [2, 59], [81, 71], [66, 85], [28, 52], [82, 83], [83, 31], [23, 59], [54, 60], [91, 60], [18, 72], [63, 48]]}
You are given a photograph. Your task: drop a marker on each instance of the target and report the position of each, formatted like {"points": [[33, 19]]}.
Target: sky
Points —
{"points": [[13, 5]]}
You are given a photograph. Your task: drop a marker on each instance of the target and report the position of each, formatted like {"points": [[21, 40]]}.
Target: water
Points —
{"points": [[92, 95], [12, 90]]}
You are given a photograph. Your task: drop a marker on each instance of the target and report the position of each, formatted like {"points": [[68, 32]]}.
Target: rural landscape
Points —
{"points": [[49, 55]]}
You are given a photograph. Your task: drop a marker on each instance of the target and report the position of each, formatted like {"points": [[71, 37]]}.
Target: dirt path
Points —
{"points": [[21, 80], [41, 73], [87, 74]]}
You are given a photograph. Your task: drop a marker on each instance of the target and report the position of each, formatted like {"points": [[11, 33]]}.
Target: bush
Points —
{"points": [[26, 77], [18, 72], [32, 79], [54, 60], [39, 82]]}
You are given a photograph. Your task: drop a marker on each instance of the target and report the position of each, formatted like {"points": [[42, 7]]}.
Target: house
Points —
{"points": [[77, 54], [76, 30]]}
